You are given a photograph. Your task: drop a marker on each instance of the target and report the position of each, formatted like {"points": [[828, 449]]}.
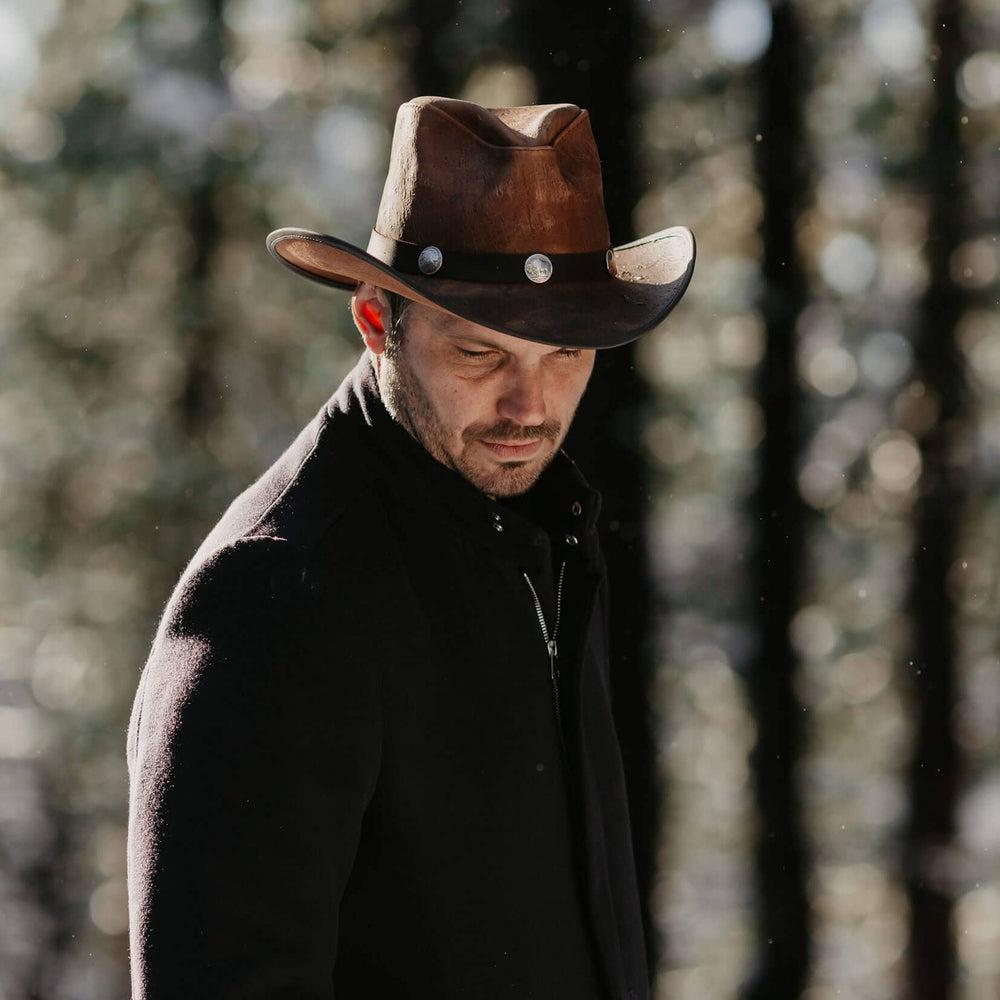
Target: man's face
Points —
{"points": [[492, 407]]}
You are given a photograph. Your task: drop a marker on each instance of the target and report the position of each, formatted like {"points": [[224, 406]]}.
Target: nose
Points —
{"points": [[523, 399]]}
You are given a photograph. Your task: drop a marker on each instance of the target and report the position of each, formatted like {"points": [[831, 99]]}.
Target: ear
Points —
{"points": [[372, 316]]}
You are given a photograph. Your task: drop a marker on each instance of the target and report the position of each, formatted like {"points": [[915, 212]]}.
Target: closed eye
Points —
{"points": [[564, 352]]}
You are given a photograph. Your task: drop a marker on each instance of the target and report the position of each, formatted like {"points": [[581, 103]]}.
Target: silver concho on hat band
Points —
{"points": [[430, 260], [538, 268]]}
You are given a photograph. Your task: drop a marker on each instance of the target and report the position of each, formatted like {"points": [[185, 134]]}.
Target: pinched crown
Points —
{"points": [[494, 180]]}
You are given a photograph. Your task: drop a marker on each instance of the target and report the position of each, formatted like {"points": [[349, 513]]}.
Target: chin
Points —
{"points": [[509, 480]]}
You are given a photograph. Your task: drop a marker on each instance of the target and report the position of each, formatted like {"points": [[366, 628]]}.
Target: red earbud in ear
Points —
{"points": [[369, 313]]}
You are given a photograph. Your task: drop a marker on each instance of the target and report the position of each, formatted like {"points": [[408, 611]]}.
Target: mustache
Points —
{"points": [[507, 432]]}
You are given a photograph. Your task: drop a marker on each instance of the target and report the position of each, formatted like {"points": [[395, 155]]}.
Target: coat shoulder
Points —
{"points": [[314, 483], [249, 629], [300, 534], [236, 583]]}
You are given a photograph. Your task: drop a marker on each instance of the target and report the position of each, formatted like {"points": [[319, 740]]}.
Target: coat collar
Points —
{"points": [[561, 505]]}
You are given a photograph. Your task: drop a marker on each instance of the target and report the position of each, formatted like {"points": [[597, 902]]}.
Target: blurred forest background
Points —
{"points": [[801, 469]]}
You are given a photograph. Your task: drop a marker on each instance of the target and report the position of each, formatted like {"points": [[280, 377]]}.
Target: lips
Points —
{"points": [[508, 449]]}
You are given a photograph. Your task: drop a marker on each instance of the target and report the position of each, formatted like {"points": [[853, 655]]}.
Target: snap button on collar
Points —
{"points": [[577, 509], [571, 539]]}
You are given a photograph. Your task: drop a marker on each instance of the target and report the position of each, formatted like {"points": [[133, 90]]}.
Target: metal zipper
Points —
{"points": [[550, 640]]}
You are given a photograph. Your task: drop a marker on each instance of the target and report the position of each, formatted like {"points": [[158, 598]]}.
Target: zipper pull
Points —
{"points": [[553, 656]]}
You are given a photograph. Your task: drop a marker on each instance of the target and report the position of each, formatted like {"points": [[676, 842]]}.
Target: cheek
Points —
{"points": [[441, 394], [458, 408], [472, 412], [572, 386]]}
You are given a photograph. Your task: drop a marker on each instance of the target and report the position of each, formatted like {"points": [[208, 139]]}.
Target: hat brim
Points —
{"points": [[652, 275]]}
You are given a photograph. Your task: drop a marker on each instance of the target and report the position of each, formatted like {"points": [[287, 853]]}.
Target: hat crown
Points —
{"points": [[530, 125], [494, 180]]}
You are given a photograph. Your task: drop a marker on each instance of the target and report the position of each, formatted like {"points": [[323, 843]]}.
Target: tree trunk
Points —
{"points": [[200, 400], [784, 920], [935, 765]]}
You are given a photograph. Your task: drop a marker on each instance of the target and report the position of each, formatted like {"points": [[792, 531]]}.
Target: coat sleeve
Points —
{"points": [[252, 750]]}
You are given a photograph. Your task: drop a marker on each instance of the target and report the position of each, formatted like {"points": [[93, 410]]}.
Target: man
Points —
{"points": [[372, 751]]}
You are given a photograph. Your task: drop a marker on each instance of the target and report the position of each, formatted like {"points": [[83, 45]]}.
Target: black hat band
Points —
{"points": [[503, 268]]}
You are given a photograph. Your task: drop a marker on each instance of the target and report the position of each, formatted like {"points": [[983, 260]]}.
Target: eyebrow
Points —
{"points": [[469, 339], [472, 339]]}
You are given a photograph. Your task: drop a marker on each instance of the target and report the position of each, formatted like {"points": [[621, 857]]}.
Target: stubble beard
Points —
{"points": [[408, 404]]}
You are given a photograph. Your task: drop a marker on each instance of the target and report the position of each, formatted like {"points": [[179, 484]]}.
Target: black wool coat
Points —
{"points": [[349, 773]]}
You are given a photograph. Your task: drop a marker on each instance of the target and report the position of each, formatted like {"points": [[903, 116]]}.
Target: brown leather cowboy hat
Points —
{"points": [[497, 215]]}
